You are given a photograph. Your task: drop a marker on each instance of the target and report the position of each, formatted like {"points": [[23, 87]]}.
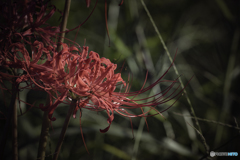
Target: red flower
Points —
{"points": [[75, 74], [92, 81], [102, 95], [18, 24], [19, 31]]}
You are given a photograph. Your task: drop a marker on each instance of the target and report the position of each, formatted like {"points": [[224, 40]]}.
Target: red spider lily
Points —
{"points": [[75, 74], [71, 73], [24, 26], [103, 97], [92, 81], [21, 25], [22, 22]]}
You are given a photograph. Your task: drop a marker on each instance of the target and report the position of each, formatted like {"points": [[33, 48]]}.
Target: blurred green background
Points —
{"points": [[206, 36]]}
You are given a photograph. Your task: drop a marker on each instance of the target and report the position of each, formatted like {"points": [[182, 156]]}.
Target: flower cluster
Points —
{"points": [[32, 52], [23, 27], [71, 73]]}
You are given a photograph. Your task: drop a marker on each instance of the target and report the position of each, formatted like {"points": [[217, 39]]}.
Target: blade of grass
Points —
{"points": [[227, 86], [138, 136], [226, 12], [176, 71], [149, 65]]}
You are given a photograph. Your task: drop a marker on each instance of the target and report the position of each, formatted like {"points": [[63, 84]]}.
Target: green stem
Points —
{"points": [[64, 24], [44, 135], [72, 106], [64, 129], [46, 121]]}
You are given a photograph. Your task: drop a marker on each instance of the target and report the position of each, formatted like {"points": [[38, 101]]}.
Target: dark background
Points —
{"points": [[206, 36]]}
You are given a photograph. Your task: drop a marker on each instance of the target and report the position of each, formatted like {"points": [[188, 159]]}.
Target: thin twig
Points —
{"points": [[235, 120], [201, 135], [206, 120]]}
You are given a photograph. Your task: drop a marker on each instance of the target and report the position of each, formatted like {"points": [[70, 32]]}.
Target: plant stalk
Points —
{"points": [[73, 103], [15, 132], [64, 24], [9, 118], [44, 135], [64, 129], [46, 121]]}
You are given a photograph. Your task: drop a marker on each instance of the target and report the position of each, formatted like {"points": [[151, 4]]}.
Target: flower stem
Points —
{"points": [[64, 129], [44, 135], [64, 24], [15, 132], [73, 104], [9, 118]]}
